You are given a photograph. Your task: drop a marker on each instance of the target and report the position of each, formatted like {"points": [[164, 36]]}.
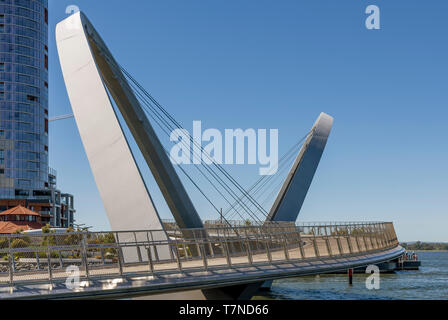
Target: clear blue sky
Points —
{"points": [[278, 64]]}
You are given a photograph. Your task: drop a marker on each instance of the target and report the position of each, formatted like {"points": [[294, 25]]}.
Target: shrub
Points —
{"points": [[4, 243], [46, 228], [19, 243]]}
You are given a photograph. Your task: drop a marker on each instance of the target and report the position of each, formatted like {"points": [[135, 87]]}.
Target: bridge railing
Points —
{"points": [[53, 257]]}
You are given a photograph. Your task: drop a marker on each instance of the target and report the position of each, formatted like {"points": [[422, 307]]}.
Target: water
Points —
{"points": [[430, 282]]}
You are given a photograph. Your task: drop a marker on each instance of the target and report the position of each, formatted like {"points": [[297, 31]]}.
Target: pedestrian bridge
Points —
{"points": [[132, 263]]}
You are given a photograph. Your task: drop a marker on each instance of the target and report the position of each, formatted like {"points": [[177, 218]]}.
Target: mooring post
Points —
{"points": [[350, 276]]}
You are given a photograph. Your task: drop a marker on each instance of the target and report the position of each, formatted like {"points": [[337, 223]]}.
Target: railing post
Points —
{"points": [[179, 263], [371, 234], [338, 240], [249, 252], [172, 255], [357, 243], [151, 266], [268, 250], [248, 249], [302, 252], [13, 263], [61, 263], [285, 245], [204, 256], [316, 249], [196, 239], [364, 237], [50, 273], [349, 239], [376, 233], [390, 235], [226, 248], [139, 253], [38, 261], [210, 245], [120, 261], [102, 255], [84, 253], [10, 262], [385, 235], [327, 241], [150, 262], [156, 252]]}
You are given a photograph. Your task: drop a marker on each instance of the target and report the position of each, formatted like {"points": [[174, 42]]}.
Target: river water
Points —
{"points": [[430, 282]]}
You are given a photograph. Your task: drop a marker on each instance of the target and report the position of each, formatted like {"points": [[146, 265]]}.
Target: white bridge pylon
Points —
{"points": [[295, 188], [91, 73], [89, 68]]}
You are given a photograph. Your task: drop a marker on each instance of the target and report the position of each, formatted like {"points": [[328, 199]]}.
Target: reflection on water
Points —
{"points": [[431, 282]]}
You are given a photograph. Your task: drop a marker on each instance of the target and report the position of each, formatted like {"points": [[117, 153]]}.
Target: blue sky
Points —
{"points": [[278, 64]]}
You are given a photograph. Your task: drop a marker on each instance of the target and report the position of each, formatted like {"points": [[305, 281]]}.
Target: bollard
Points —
{"points": [[350, 276]]}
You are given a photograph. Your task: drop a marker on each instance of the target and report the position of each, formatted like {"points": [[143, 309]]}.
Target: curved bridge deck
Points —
{"points": [[124, 264]]}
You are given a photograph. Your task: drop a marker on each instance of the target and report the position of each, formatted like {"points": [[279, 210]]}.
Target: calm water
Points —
{"points": [[431, 282]]}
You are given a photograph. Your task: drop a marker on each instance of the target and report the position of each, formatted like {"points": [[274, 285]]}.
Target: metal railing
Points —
{"points": [[45, 258]]}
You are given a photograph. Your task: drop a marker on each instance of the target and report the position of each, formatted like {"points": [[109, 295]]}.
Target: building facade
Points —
{"points": [[25, 177]]}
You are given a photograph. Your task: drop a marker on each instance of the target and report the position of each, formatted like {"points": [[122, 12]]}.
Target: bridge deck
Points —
{"points": [[136, 283], [133, 266]]}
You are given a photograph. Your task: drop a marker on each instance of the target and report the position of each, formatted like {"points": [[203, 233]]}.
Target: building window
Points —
{"points": [[46, 15], [46, 62], [22, 193], [2, 66], [24, 183], [46, 125], [32, 98], [2, 27], [2, 171]]}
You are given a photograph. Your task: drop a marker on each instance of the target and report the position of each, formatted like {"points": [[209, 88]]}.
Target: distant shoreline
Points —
{"points": [[425, 246], [420, 250]]}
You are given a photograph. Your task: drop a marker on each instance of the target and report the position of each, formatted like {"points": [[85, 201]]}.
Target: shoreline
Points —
{"points": [[422, 250]]}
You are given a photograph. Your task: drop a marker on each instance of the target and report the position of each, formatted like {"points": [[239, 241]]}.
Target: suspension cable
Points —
{"points": [[177, 124]]}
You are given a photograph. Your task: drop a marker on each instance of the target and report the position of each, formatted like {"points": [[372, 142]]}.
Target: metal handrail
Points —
{"points": [[102, 254]]}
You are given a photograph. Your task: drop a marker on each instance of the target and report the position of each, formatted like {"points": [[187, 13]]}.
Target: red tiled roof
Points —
{"points": [[19, 210], [11, 227]]}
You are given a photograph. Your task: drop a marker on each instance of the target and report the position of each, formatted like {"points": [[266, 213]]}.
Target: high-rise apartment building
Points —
{"points": [[25, 176]]}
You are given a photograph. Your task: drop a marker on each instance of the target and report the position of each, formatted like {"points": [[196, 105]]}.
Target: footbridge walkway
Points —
{"points": [[132, 263]]}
